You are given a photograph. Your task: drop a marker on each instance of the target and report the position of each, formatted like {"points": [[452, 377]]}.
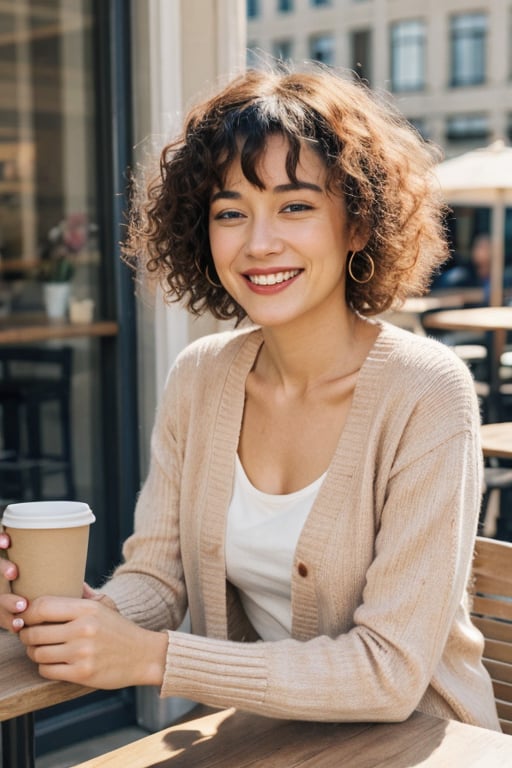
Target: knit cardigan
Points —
{"points": [[380, 622]]}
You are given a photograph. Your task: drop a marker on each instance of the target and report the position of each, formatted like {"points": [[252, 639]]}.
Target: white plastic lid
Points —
{"points": [[47, 514]]}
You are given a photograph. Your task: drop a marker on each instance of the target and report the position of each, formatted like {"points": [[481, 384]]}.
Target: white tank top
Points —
{"points": [[261, 536]]}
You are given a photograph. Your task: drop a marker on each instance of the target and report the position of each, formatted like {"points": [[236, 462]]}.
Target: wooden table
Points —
{"points": [[409, 315], [20, 329], [22, 692], [231, 739], [497, 320], [497, 440]]}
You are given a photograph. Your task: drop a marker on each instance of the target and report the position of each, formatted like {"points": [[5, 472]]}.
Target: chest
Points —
{"points": [[286, 443]]}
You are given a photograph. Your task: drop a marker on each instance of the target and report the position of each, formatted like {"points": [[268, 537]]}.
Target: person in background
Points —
{"points": [[316, 473]]}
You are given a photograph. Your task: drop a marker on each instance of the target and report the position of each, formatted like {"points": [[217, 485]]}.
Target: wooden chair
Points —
{"points": [[491, 612]]}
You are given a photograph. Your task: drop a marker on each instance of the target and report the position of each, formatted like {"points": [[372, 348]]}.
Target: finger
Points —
{"points": [[88, 593], [54, 610], [5, 541], [8, 570], [44, 634], [10, 605], [13, 603]]}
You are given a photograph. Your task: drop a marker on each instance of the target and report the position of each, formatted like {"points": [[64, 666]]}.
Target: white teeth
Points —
{"points": [[275, 277]]}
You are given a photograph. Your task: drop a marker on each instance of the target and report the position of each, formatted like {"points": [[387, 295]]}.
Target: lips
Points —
{"points": [[272, 278]]}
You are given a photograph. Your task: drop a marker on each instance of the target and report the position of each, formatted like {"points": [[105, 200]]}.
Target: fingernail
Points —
{"points": [[21, 605], [18, 623]]}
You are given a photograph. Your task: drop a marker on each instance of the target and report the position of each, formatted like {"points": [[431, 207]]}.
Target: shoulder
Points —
{"points": [[422, 357], [216, 347], [425, 375], [208, 358]]}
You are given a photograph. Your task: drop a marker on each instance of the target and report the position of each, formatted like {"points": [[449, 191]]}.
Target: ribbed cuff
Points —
{"points": [[218, 673]]}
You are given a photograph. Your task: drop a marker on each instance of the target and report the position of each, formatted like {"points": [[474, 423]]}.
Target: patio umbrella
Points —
{"points": [[483, 177]]}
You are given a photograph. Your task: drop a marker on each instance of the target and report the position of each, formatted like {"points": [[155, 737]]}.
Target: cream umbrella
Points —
{"points": [[483, 177]]}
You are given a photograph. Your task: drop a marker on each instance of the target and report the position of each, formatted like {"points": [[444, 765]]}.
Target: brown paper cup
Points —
{"points": [[49, 541]]}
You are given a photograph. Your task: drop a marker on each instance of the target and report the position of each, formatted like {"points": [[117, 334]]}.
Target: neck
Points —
{"points": [[302, 358]]}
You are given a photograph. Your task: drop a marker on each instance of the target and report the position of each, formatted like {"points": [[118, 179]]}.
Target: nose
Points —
{"points": [[263, 238]]}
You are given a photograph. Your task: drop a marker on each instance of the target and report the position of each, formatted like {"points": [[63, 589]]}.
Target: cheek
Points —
{"points": [[223, 246]]}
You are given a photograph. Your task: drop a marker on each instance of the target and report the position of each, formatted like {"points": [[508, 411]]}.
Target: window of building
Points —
{"points": [[320, 2], [283, 50], [420, 124], [361, 50], [468, 49], [253, 9], [408, 55], [467, 127], [321, 48], [285, 6]]}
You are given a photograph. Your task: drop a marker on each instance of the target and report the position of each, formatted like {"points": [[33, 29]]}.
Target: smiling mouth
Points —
{"points": [[274, 278]]}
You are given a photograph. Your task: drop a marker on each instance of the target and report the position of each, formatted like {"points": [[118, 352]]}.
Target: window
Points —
{"points": [[283, 50], [408, 55], [253, 8], [321, 48], [285, 6], [467, 127], [253, 57], [419, 123], [320, 2], [468, 49], [361, 49]]}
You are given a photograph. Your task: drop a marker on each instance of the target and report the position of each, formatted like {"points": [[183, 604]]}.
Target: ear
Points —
{"points": [[358, 238]]}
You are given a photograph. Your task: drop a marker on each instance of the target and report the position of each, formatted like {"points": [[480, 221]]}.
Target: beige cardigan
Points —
{"points": [[380, 622]]}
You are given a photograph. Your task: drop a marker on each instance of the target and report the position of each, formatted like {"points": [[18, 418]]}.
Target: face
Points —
{"points": [[280, 251]]}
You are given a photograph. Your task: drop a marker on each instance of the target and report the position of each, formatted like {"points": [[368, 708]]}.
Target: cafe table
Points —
{"points": [[232, 739], [22, 328], [22, 692], [497, 320], [497, 440]]}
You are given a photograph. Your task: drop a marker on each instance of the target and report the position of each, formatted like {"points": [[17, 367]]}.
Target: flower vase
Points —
{"points": [[56, 299]]}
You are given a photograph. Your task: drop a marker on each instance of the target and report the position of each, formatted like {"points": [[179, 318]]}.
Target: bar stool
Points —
{"points": [[30, 378]]}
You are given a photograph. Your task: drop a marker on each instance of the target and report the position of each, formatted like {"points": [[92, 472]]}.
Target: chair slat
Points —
{"points": [[498, 670], [502, 690], [493, 584], [495, 630], [485, 606], [506, 727], [504, 710], [498, 651]]}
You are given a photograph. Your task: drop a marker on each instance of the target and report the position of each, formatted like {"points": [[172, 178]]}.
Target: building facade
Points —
{"points": [[448, 63]]}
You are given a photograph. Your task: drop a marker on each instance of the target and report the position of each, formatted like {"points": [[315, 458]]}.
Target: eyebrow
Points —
{"points": [[227, 194]]}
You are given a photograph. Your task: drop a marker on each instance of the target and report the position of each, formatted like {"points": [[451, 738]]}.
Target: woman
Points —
{"points": [[316, 476]]}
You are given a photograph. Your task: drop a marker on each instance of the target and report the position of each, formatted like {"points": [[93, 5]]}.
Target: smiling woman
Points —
{"points": [[316, 476]]}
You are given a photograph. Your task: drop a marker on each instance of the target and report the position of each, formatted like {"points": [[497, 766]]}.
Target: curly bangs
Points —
{"points": [[372, 156]]}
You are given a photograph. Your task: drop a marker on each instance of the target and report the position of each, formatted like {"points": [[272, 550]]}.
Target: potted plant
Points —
{"points": [[58, 260]]}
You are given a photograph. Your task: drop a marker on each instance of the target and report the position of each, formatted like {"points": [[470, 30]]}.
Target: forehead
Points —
{"points": [[271, 163]]}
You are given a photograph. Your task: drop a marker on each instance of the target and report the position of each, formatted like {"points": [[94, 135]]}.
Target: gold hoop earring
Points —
{"points": [[208, 278], [350, 270]]}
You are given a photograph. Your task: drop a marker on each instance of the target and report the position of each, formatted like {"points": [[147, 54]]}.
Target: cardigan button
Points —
{"points": [[302, 569]]}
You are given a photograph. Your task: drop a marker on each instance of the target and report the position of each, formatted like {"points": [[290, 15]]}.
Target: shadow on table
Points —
{"points": [[243, 740]]}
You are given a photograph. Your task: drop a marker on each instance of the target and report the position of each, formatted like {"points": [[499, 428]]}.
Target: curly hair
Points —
{"points": [[372, 156]]}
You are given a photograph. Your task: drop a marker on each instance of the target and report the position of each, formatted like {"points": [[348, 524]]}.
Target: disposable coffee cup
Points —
{"points": [[49, 541]]}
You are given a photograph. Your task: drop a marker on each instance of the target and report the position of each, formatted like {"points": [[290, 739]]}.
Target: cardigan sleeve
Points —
{"points": [[148, 587]]}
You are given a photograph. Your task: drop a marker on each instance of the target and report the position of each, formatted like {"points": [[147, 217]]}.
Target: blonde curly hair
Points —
{"points": [[372, 155]]}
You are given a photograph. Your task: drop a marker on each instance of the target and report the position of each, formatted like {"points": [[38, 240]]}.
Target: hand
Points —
{"points": [[10, 605], [86, 642]]}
